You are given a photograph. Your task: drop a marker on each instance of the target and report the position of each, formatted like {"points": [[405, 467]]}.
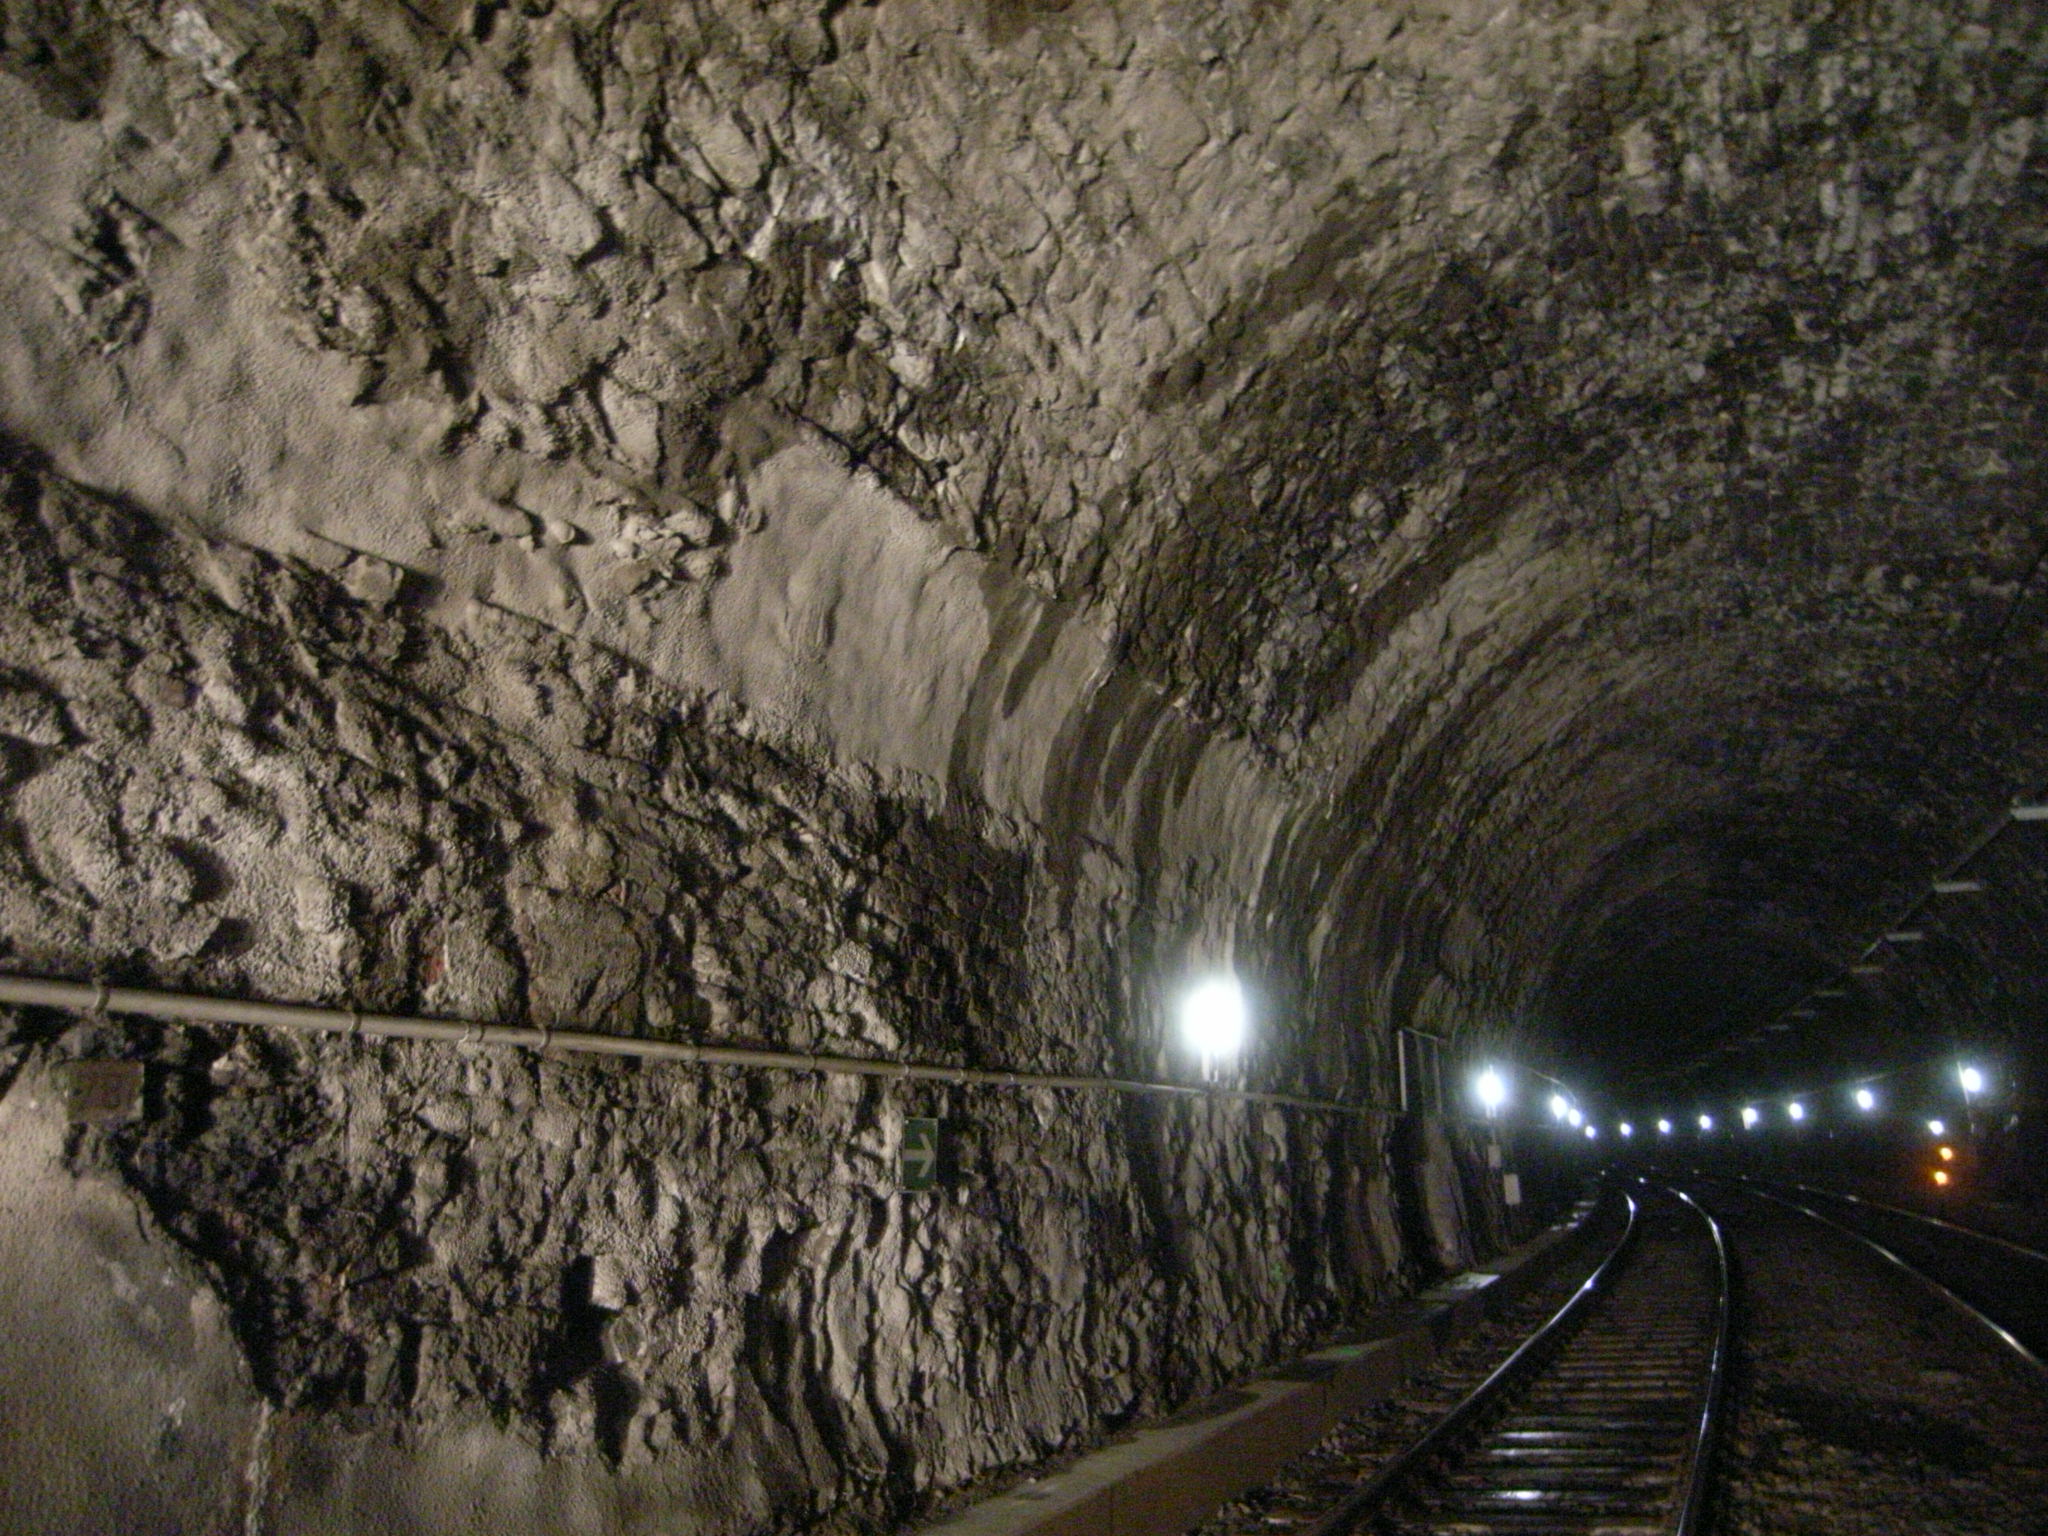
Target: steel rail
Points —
{"points": [[1603, 1419], [1922, 1217], [1693, 1510], [1984, 1319], [1524, 1362]]}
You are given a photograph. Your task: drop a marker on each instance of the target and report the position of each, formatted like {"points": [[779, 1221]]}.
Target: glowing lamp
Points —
{"points": [[1491, 1089], [1213, 1018]]}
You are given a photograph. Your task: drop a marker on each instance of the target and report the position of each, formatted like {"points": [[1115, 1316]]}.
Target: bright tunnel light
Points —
{"points": [[1491, 1089], [1663, 1127], [1626, 1129], [1706, 1122], [1592, 1133], [1865, 1100], [1213, 1017], [1795, 1111], [1971, 1079], [1558, 1107], [1749, 1118], [1577, 1118], [1937, 1127]]}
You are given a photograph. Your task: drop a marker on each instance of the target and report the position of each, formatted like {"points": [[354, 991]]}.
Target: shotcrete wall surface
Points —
{"points": [[913, 530]]}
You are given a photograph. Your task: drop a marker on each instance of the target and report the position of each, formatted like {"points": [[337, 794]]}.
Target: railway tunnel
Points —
{"points": [[761, 763]]}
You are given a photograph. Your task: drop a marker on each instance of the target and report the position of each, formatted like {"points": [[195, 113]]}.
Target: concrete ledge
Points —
{"points": [[1168, 1477]]}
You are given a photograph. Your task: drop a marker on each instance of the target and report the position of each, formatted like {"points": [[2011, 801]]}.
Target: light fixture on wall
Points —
{"points": [[1972, 1079], [1491, 1089], [1866, 1100], [1214, 1019], [1795, 1112]]}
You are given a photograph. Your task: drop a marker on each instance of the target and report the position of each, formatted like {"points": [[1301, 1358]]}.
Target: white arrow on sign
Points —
{"points": [[920, 1153]]}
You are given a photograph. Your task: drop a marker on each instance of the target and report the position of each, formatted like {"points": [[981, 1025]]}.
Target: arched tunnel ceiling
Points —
{"points": [[1589, 456]]}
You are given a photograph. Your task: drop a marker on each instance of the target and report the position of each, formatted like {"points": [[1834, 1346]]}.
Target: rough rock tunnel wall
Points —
{"points": [[225, 772], [909, 529]]}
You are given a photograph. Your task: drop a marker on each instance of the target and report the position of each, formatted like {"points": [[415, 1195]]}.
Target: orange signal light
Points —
{"points": [[1948, 1154], [1941, 1177]]}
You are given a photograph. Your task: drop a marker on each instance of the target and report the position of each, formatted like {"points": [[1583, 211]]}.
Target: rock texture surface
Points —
{"points": [[907, 529]]}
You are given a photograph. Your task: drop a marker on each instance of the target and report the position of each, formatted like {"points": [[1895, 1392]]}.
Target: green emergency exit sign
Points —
{"points": [[918, 1159]]}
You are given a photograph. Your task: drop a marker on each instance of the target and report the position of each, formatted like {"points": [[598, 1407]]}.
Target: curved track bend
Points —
{"points": [[1603, 1422]]}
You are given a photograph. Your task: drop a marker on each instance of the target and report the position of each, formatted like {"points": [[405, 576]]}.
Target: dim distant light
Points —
{"points": [[1592, 1133]]}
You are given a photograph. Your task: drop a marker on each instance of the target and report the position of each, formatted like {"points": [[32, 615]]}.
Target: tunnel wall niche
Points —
{"points": [[464, 1285]]}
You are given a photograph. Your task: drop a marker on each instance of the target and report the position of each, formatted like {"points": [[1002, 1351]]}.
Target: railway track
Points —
{"points": [[2000, 1284], [1602, 1422]]}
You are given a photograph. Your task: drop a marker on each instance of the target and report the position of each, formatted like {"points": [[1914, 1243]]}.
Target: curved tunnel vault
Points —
{"points": [[909, 530]]}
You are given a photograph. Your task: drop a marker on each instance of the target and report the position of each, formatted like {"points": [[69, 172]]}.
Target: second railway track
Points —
{"points": [[1999, 1283], [1602, 1422]]}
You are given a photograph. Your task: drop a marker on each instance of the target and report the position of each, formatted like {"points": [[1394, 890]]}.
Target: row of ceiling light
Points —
{"points": [[1491, 1089]]}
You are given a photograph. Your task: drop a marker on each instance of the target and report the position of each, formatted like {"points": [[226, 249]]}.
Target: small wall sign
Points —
{"points": [[918, 1160]]}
